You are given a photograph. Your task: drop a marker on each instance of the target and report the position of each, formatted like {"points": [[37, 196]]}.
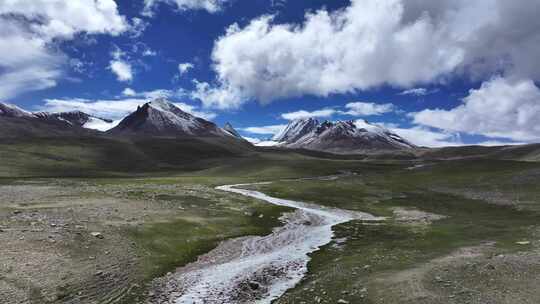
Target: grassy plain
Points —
{"points": [[157, 210]]}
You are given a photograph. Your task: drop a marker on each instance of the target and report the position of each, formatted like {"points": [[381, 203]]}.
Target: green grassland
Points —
{"points": [[483, 199], [438, 188]]}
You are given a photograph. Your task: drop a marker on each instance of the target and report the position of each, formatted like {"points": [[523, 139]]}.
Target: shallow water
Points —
{"points": [[261, 269]]}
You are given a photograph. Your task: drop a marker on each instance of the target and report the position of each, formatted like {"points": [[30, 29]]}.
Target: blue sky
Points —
{"points": [[437, 73]]}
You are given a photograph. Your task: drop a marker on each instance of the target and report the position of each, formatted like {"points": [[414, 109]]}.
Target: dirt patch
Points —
{"points": [[49, 254], [474, 275], [415, 216], [66, 242]]}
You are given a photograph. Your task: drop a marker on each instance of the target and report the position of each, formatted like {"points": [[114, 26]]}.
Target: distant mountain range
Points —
{"points": [[161, 118], [74, 118], [158, 131], [18, 123], [158, 118], [342, 137]]}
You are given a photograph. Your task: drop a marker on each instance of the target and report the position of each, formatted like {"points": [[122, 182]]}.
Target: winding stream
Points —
{"points": [[260, 269]]}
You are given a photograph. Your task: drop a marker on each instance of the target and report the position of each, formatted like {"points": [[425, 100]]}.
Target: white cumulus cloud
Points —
{"points": [[183, 68], [501, 107], [211, 6], [129, 92], [217, 97], [368, 108], [371, 43], [352, 109], [425, 137], [306, 114], [264, 130], [122, 70], [30, 31], [118, 108], [418, 92]]}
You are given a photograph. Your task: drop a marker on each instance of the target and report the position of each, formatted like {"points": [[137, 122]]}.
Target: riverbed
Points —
{"points": [[259, 269]]}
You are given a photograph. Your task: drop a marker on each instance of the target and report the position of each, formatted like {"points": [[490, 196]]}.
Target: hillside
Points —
{"points": [[341, 137]]}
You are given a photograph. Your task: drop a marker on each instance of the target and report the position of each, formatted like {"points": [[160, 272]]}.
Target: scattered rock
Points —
{"points": [[96, 235], [523, 243], [254, 285], [342, 301]]}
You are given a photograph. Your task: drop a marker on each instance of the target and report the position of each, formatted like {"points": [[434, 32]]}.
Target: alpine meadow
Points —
{"points": [[269, 152]]}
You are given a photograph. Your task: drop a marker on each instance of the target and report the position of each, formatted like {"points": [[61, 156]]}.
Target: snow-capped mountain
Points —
{"points": [[296, 129], [9, 110], [18, 123], [69, 119], [79, 119], [162, 118], [231, 130], [339, 137]]}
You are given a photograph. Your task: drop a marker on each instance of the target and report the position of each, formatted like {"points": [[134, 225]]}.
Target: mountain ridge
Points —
{"points": [[162, 118], [341, 137], [231, 130]]}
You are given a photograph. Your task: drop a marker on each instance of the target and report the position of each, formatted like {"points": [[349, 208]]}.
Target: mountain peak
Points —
{"points": [[162, 104], [296, 129], [339, 137], [161, 117]]}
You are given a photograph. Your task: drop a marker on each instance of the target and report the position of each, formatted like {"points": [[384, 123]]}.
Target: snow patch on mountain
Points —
{"points": [[337, 137], [162, 118], [100, 124], [78, 119], [268, 143], [10, 110], [231, 130], [296, 129]]}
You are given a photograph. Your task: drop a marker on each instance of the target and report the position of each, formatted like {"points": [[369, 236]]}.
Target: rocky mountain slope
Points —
{"points": [[78, 119], [25, 122], [17, 123], [162, 118], [12, 111], [232, 131], [339, 137], [296, 129]]}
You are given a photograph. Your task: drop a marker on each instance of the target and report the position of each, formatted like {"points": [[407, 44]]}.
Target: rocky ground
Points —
{"points": [[60, 247], [451, 236], [474, 275], [73, 241]]}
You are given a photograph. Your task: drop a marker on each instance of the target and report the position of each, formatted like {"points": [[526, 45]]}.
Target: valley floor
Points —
{"points": [[462, 231]]}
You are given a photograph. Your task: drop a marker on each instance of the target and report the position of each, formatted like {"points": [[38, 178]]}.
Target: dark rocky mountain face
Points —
{"points": [[8, 110], [42, 124], [296, 129], [341, 137], [162, 118], [231, 130], [75, 118], [20, 124]]}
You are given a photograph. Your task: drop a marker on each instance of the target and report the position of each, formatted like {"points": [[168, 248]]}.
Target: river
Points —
{"points": [[260, 269]]}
